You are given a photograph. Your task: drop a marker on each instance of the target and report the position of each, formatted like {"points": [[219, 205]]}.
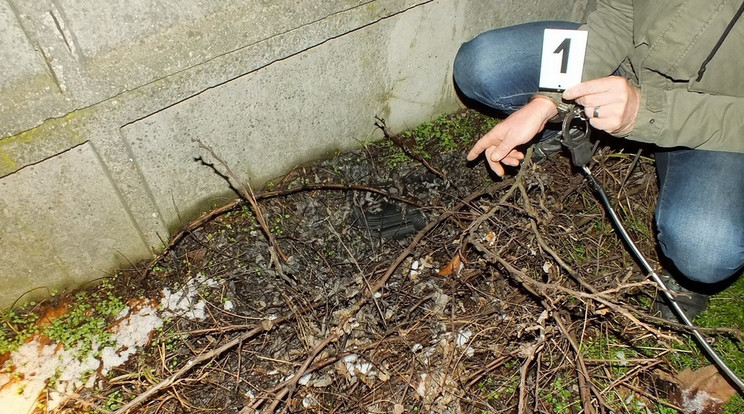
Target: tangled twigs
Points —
{"points": [[209, 216], [587, 391], [524, 369], [246, 192], [281, 391], [407, 148], [265, 326], [539, 291], [416, 338], [585, 386]]}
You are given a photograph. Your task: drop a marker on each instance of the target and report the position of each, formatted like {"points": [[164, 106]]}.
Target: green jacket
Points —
{"points": [[660, 46]]}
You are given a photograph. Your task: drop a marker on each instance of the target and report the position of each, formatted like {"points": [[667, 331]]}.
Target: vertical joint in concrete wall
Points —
{"points": [[116, 186], [49, 61], [63, 31]]}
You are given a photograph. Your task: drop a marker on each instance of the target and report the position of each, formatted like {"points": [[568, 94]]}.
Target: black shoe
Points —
{"points": [[389, 221], [692, 303]]}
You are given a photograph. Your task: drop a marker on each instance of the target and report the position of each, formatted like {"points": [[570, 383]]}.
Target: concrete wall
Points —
{"points": [[100, 101]]}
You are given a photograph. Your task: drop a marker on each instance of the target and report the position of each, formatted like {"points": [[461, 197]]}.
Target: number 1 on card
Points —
{"points": [[562, 58]]}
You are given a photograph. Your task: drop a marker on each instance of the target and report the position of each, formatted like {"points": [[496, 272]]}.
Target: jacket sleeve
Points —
{"points": [[678, 117], [610, 37], [670, 115]]}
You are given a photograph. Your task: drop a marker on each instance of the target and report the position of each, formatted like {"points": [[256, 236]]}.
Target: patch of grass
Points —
{"points": [[633, 224], [445, 133], [493, 388], [610, 348], [560, 396], [18, 326]]}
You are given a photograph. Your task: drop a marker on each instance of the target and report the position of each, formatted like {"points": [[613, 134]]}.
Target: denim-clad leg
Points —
{"points": [[501, 68], [700, 212]]}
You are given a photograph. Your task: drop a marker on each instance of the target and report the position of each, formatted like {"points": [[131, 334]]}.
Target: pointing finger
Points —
{"points": [[481, 145], [586, 88]]}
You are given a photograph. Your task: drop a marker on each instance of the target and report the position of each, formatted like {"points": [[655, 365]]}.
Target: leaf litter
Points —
{"points": [[516, 296]]}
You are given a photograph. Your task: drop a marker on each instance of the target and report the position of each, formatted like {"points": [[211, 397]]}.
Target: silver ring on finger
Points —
{"points": [[595, 114]]}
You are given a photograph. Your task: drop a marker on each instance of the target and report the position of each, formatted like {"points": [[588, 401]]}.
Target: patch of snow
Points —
{"points": [[28, 370], [183, 302], [310, 401], [621, 358], [421, 388], [414, 272], [697, 401], [356, 366]]}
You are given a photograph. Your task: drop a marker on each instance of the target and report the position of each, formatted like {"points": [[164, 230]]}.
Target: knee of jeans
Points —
{"points": [[700, 256], [470, 76]]}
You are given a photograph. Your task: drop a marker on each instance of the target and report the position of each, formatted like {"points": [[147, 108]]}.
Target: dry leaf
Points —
{"points": [[197, 256], [383, 376], [703, 391], [341, 369], [322, 382], [455, 265], [266, 324]]}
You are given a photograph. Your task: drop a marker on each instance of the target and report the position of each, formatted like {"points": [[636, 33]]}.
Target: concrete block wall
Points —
{"points": [[100, 102]]}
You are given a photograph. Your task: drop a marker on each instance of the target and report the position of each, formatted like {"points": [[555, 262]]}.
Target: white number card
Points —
{"points": [[562, 58]]}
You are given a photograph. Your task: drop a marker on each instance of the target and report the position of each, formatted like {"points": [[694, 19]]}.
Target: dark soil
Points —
{"points": [[517, 295]]}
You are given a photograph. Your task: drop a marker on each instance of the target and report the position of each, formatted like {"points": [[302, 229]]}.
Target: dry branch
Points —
{"points": [[245, 191], [266, 326]]}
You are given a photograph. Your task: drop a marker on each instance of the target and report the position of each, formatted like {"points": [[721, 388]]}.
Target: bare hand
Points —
{"points": [[610, 103], [518, 128]]}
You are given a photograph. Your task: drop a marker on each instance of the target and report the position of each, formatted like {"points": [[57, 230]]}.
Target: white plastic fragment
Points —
{"points": [[463, 337], [305, 379], [421, 388]]}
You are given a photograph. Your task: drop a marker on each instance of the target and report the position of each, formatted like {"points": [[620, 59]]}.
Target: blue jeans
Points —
{"points": [[700, 211]]}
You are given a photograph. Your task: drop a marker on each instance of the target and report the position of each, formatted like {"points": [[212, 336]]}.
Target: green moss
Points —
{"points": [[48, 139], [83, 325], [444, 134]]}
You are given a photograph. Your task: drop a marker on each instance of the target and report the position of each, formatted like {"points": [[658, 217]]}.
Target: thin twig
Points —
{"points": [[245, 191], [407, 148], [266, 326]]}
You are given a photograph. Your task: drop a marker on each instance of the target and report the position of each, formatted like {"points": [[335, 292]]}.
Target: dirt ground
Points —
{"points": [[494, 296]]}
